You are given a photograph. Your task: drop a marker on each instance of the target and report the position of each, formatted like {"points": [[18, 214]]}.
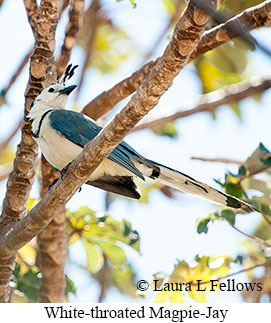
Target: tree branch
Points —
{"points": [[210, 101], [4, 144], [255, 239], [246, 21], [267, 264], [52, 247], [31, 9], [91, 21], [52, 244], [21, 178], [75, 22], [18, 71], [218, 160], [252, 18], [185, 38]]}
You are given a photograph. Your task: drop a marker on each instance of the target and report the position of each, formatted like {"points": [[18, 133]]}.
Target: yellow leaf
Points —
{"points": [[94, 257], [6, 155], [31, 202], [27, 255]]}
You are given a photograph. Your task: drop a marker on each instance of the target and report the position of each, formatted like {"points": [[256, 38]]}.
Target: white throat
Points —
{"points": [[36, 114]]}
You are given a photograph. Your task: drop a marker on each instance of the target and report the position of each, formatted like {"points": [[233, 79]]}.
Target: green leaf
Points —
{"points": [[267, 161], [29, 284], [242, 171], [94, 256], [255, 163], [229, 216], [16, 270], [70, 286], [168, 130], [203, 225], [234, 189], [127, 228]]}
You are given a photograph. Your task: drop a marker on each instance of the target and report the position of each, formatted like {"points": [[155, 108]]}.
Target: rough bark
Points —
{"points": [[86, 36], [52, 246], [250, 19], [31, 9], [21, 178], [185, 38], [75, 22], [210, 101]]}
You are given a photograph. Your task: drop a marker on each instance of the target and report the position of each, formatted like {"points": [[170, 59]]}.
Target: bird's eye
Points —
{"points": [[51, 89]]}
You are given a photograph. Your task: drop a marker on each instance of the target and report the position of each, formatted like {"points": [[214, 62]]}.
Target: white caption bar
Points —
{"points": [[75, 312]]}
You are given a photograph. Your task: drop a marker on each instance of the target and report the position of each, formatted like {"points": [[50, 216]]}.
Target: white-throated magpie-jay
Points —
{"points": [[62, 134]]}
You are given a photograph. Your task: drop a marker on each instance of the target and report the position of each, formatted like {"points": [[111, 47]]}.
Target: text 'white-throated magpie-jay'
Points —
{"points": [[62, 134]]}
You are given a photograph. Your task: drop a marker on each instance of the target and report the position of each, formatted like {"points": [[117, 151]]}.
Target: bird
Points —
{"points": [[62, 134]]}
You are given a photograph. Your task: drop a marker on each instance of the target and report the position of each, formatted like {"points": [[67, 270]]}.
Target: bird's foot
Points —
{"points": [[63, 170], [52, 184]]}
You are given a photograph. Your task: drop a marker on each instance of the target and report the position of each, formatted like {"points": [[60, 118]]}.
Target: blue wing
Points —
{"points": [[80, 130]]}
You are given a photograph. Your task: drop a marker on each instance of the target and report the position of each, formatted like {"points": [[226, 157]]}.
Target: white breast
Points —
{"points": [[56, 148], [59, 152]]}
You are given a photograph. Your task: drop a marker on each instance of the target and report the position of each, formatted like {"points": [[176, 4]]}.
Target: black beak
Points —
{"points": [[68, 90]]}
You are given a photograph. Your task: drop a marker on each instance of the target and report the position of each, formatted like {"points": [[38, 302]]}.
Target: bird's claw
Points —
{"points": [[63, 170], [52, 184]]}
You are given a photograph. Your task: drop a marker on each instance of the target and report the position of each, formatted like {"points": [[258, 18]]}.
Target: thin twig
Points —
{"points": [[210, 101], [91, 21], [233, 274], [251, 174], [104, 279], [256, 239], [18, 71], [217, 160], [172, 20], [4, 144]]}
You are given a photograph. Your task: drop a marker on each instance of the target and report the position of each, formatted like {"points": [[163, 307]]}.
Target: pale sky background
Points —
{"points": [[166, 227]]}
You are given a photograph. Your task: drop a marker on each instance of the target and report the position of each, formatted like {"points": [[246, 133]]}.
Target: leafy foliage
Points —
{"points": [[111, 47], [29, 282], [168, 130], [193, 279], [238, 185], [102, 237]]}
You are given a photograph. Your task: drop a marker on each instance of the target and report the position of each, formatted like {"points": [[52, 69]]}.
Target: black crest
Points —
{"points": [[69, 72]]}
